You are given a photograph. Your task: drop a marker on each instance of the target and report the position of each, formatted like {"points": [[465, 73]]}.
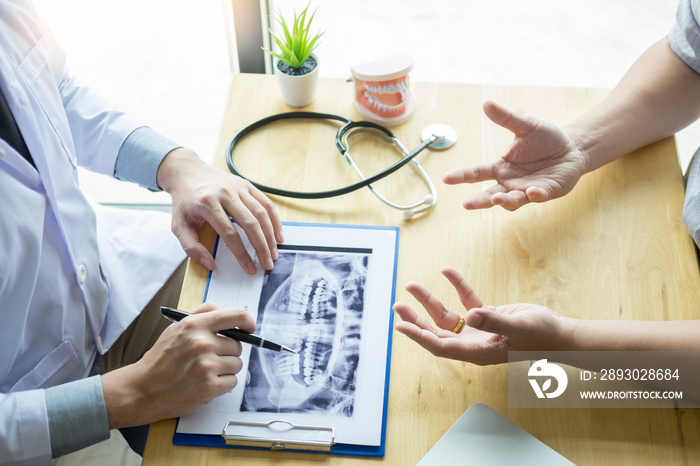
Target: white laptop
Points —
{"points": [[484, 437]]}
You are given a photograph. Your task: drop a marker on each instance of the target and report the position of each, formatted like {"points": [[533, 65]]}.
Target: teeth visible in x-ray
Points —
{"points": [[289, 365], [313, 304], [317, 311], [304, 314]]}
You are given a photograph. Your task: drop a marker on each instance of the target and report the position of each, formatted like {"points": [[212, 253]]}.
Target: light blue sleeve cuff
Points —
{"points": [[691, 206], [77, 415], [140, 156], [684, 36]]}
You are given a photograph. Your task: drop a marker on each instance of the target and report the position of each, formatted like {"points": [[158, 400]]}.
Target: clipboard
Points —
{"points": [[280, 433]]}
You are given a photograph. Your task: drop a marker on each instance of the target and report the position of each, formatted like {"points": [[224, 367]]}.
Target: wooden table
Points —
{"points": [[614, 248]]}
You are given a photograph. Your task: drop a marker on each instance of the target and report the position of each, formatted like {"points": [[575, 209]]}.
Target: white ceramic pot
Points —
{"points": [[298, 91]]}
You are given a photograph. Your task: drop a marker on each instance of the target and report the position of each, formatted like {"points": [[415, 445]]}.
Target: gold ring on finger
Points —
{"points": [[459, 325]]}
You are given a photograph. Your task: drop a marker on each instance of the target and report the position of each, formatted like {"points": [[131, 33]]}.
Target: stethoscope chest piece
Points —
{"points": [[444, 136]]}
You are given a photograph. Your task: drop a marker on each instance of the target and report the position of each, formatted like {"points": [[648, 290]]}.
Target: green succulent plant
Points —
{"points": [[297, 44]]}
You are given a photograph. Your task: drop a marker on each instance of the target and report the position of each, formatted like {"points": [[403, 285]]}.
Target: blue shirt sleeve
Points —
{"points": [[140, 156], [684, 35], [77, 415]]}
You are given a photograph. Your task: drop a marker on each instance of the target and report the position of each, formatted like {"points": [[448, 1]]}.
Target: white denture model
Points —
{"points": [[382, 93]]}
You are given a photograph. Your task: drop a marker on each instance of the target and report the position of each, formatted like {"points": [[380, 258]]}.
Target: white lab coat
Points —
{"points": [[65, 291]]}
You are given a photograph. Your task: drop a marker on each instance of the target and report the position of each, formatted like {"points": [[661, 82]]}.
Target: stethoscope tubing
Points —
{"points": [[344, 148], [347, 125]]}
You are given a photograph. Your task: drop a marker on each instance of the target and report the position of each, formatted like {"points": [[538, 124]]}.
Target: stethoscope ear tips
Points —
{"points": [[428, 200]]}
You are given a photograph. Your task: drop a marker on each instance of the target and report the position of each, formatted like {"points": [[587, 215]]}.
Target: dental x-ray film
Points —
{"points": [[329, 298], [314, 302]]}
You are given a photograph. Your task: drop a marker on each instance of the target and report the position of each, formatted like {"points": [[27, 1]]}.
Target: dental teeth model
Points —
{"points": [[382, 93]]}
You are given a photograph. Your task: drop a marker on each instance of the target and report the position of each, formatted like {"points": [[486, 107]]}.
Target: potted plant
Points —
{"points": [[296, 65]]}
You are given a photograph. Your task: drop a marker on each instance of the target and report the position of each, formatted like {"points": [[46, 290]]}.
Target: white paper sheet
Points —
{"points": [[329, 299]]}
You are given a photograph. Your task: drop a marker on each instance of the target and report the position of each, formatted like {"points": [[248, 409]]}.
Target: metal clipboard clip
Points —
{"points": [[290, 436]]}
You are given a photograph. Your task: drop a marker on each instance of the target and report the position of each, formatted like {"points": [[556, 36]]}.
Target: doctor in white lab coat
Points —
{"points": [[66, 292]]}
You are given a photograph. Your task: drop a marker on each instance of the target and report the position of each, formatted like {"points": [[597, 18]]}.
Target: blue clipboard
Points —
{"points": [[207, 440]]}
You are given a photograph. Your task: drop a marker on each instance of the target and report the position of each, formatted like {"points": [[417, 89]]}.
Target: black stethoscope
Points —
{"points": [[436, 136]]}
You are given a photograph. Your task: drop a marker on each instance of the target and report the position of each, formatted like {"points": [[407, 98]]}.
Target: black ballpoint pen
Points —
{"points": [[235, 333]]}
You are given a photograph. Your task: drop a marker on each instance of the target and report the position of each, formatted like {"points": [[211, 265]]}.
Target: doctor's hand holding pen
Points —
{"points": [[189, 365], [200, 193]]}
